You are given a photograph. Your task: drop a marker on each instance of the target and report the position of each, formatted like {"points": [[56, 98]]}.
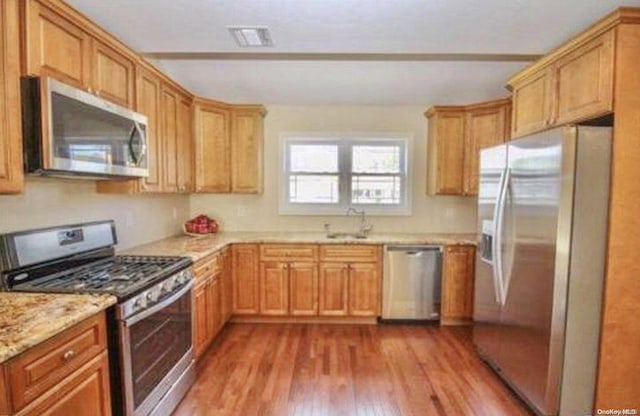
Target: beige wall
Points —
{"points": [[260, 212], [47, 202]]}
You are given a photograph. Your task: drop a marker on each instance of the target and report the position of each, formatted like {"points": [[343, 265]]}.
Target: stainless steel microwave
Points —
{"points": [[69, 132]]}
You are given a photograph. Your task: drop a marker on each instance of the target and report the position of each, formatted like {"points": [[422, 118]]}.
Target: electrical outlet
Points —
{"points": [[128, 220], [241, 211], [174, 212]]}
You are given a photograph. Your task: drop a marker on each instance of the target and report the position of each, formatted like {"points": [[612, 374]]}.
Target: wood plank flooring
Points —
{"points": [[362, 370]]}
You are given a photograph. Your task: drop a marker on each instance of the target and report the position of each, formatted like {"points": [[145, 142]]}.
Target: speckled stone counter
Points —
{"points": [[202, 246], [27, 319]]}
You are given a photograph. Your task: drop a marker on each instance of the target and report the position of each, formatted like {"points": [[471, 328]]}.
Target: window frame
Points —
{"points": [[345, 143]]}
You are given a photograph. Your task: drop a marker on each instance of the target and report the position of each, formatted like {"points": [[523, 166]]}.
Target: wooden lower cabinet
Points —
{"points": [[246, 287], [274, 291], [303, 289], [458, 274], [364, 289], [208, 301], [65, 375], [83, 393], [227, 286], [334, 287]]}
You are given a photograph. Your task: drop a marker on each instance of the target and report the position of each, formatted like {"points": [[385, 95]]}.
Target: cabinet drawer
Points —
{"points": [[349, 253], [285, 252], [207, 266], [42, 367]]}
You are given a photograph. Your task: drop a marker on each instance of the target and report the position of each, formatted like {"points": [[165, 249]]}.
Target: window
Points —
{"points": [[328, 174]]}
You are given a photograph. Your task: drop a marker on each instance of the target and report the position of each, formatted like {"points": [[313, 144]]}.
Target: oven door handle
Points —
{"points": [[158, 306]]}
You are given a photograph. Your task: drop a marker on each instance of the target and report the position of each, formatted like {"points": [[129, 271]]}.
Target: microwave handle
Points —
{"points": [[137, 143]]}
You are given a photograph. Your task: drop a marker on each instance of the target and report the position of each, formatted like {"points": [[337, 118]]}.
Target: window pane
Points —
{"points": [[375, 189], [376, 159], [314, 158], [315, 189]]}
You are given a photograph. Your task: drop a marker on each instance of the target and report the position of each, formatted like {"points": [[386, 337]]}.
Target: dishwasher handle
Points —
{"points": [[414, 249]]}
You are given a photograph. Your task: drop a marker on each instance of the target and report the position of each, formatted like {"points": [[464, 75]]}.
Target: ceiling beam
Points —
{"points": [[288, 56]]}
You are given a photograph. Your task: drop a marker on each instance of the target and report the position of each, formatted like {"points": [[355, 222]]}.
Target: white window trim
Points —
{"points": [[287, 208]]}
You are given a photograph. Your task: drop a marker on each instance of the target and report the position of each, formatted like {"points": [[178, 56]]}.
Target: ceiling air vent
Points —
{"points": [[251, 36]]}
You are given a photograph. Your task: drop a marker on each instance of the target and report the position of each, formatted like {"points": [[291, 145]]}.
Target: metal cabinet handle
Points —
{"points": [[69, 355]]}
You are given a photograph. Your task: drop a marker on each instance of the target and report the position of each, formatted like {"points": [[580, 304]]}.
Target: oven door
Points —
{"points": [[156, 350]]}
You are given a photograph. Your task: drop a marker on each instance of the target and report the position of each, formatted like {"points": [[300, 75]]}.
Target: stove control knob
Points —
{"points": [[166, 287], [151, 297], [140, 303]]}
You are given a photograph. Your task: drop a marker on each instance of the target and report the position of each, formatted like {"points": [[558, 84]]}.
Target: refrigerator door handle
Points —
{"points": [[497, 237], [495, 246]]}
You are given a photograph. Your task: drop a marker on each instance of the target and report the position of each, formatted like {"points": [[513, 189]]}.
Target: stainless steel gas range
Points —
{"points": [[150, 347]]}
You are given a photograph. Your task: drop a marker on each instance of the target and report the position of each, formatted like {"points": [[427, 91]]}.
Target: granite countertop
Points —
{"points": [[27, 319], [202, 246]]}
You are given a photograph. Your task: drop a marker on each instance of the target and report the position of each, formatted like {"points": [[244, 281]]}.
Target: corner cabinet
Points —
{"points": [[456, 136], [11, 170], [229, 147], [575, 85], [458, 275]]}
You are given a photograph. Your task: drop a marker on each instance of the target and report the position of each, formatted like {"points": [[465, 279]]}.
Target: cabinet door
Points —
{"points": [[214, 306], [148, 103], [274, 290], [169, 112], [86, 392], [185, 146], [484, 128], [364, 289], [200, 324], [212, 152], [584, 81], [113, 75], [227, 287], [446, 153], [56, 47], [333, 286], [457, 285], [246, 151], [246, 290], [11, 176], [303, 289], [531, 103]]}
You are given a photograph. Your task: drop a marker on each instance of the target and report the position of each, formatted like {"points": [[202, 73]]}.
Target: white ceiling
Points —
{"points": [[347, 26]]}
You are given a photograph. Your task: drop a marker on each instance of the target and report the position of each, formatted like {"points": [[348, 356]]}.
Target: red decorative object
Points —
{"points": [[201, 224]]}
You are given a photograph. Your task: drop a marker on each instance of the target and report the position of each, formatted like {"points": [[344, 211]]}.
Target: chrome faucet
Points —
{"points": [[365, 227]]}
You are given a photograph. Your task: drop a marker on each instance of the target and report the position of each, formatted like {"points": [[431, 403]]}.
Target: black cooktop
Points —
{"points": [[121, 276]]}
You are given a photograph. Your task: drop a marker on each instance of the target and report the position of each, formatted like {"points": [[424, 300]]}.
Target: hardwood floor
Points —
{"points": [[298, 369]]}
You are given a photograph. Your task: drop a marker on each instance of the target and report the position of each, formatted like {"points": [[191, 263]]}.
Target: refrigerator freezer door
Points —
{"points": [[540, 188], [486, 302]]}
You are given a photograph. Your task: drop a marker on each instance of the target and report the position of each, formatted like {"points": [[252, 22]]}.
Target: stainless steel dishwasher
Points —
{"points": [[411, 282]]}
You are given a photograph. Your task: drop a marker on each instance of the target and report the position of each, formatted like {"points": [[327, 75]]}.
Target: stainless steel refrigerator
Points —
{"points": [[542, 220]]}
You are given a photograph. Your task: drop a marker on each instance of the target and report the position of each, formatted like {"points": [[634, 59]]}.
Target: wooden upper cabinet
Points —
{"points": [[531, 103], [148, 103], [60, 45], [11, 170], [55, 46], [212, 147], [169, 116], [572, 84], [445, 153], [246, 271], [486, 125], [584, 81], [113, 75], [457, 284], [185, 162], [246, 149], [456, 136]]}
